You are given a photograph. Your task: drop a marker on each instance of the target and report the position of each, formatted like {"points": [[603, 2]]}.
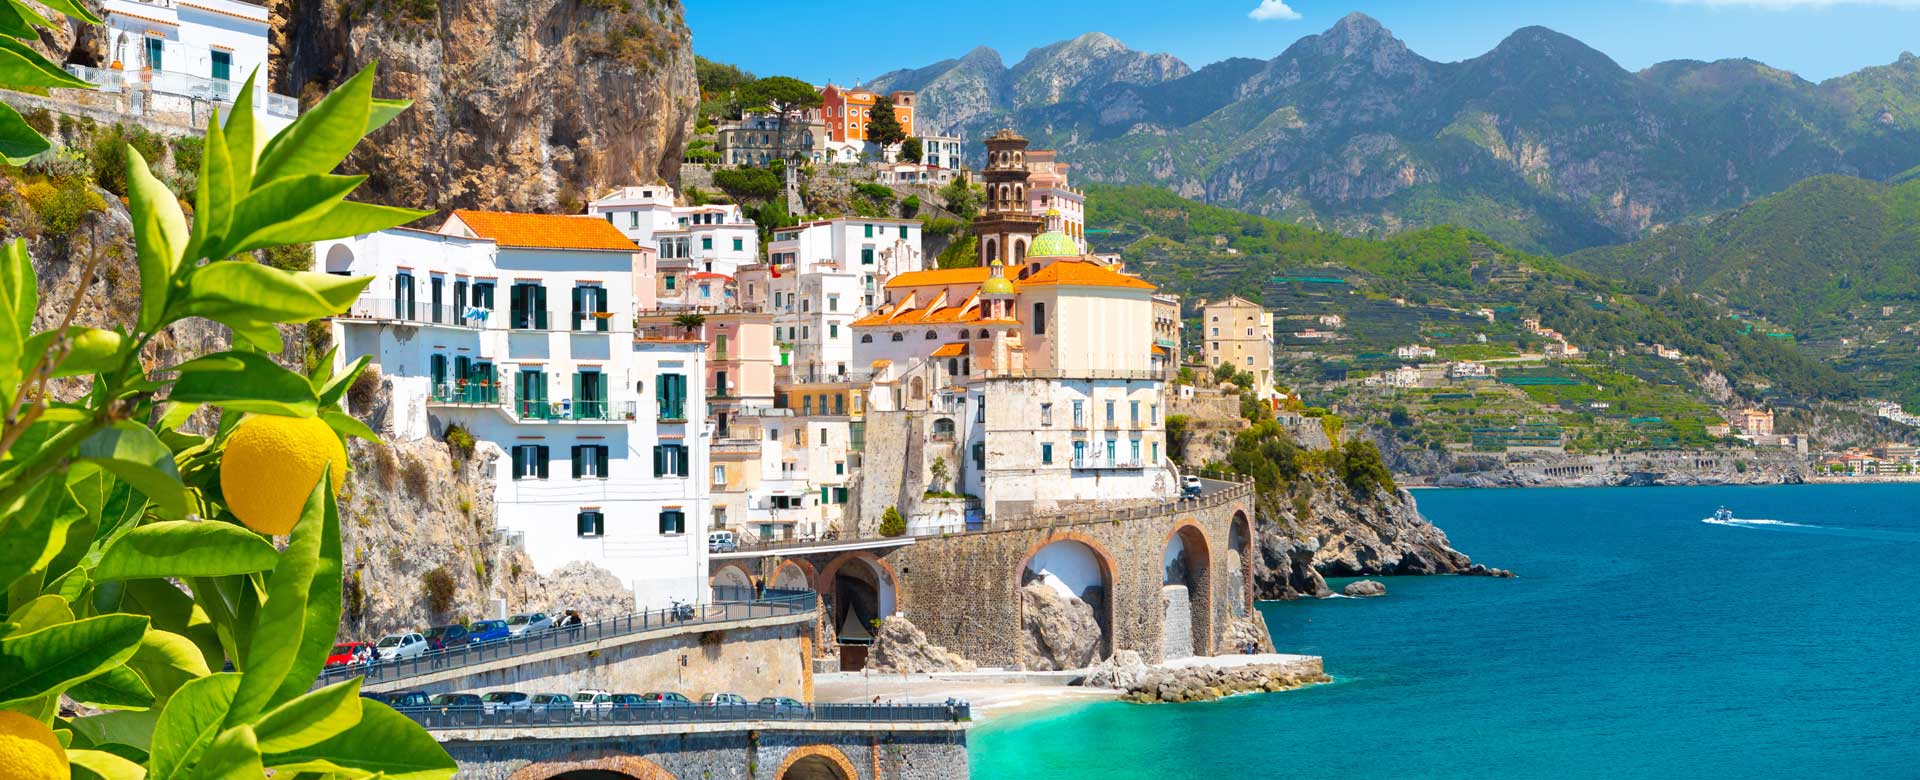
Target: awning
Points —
{"points": [[951, 350]]}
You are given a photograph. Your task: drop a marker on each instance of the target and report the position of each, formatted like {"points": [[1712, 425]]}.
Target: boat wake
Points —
{"points": [[1810, 528], [1744, 522]]}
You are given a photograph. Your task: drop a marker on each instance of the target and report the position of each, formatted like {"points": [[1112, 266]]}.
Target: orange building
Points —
{"points": [[847, 111]]}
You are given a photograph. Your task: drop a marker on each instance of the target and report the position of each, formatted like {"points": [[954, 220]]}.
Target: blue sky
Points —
{"points": [[857, 39]]}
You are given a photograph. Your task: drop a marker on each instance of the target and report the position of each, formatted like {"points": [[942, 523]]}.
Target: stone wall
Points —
{"points": [[963, 590], [919, 754], [771, 658]]}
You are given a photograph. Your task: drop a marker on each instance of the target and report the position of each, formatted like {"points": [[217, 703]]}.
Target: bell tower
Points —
{"points": [[1007, 227]]}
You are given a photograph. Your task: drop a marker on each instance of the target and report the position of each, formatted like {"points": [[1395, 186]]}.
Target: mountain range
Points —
{"points": [[1542, 143]]}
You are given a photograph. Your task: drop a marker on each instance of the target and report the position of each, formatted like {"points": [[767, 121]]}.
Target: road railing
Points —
{"points": [[538, 716]]}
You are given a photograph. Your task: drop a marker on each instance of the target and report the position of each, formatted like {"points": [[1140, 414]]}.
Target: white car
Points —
{"points": [[528, 622], [405, 645], [592, 700]]}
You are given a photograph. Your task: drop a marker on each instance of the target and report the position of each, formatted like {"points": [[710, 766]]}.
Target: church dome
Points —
{"points": [[1053, 243], [996, 284]]}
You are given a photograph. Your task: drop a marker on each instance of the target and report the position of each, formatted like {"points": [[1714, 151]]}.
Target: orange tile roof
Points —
{"points": [[1083, 274], [1159, 350], [545, 231], [944, 276], [950, 350]]}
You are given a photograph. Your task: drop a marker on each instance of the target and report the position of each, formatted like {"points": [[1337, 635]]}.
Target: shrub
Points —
{"points": [[109, 155], [459, 440], [294, 257], [187, 150], [63, 203], [40, 120], [386, 466], [910, 206], [748, 183], [438, 586], [416, 476], [892, 524], [1362, 468], [878, 192], [365, 391], [355, 597]]}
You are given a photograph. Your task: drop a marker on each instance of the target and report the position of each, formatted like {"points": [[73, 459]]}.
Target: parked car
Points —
{"points": [[456, 707], [484, 631], [529, 623], [592, 700], [628, 701], [407, 645], [348, 653], [667, 699], [723, 698], [504, 702], [409, 699], [446, 637], [1191, 487], [552, 706], [722, 542], [782, 704], [379, 697]]}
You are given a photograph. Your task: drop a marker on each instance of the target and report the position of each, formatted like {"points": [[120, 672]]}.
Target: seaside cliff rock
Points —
{"points": [[1205, 682], [525, 105], [1340, 534], [1364, 589], [1057, 632], [1250, 630], [901, 647]]}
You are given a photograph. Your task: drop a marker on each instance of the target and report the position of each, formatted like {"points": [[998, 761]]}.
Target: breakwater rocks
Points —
{"points": [[1204, 679]]}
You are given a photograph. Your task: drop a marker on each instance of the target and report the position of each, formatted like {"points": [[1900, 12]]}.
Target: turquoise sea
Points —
{"points": [[1639, 642]]}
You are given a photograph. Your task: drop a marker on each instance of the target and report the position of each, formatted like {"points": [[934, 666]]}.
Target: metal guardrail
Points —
{"points": [[526, 716], [730, 605]]}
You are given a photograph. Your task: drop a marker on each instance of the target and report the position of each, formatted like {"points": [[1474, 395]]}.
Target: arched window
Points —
{"points": [[866, 338], [1019, 250], [339, 260], [899, 337], [993, 250], [931, 335], [1039, 319], [953, 365], [916, 389], [943, 428], [983, 333]]}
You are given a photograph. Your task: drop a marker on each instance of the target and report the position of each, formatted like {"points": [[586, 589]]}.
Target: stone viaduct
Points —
{"points": [[749, 750], [1163, 580]]}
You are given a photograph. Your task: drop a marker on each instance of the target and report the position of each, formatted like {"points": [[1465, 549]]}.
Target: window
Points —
{"points": [[932, 335], [903, 231], [981, 416], [866, 338], [833, 302], [839, 467], [869, 231], [459, 297], [1156, 452], [1039, 319], [590, 523], [1110, 416], [1046, 453], [403, 296], [530, 461], [1135, 411], [1046, 414], [530, 393], [1136, 451], [222, 65], [672, 394], [739, 245], [979, 455], [1216, 331], [589, 302], [866, 255], [670, 460], [1113, 446], [833, 330], [719, 475], [673, 522], [839, 495], [527, 306], [154, 47], [706, 242], [1153, 414], [483, 295], [671, 281], [1079, 453], [1079, 416], [899, 337], [590, 461], [633, 219]]}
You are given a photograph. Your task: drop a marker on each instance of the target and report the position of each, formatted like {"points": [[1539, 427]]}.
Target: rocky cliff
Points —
{"points": [[532, 105], [1321, 528]]}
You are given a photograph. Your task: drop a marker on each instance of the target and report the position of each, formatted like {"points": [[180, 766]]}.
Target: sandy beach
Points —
{"points": [[993, 693]]}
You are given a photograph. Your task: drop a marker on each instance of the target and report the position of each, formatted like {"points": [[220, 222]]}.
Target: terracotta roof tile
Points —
{"points": [[1083, 274], [545, 231], [944, 276], [955, 349]]}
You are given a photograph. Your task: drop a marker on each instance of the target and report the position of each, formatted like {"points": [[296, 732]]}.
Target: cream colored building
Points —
{"points": [[1239, 333]]}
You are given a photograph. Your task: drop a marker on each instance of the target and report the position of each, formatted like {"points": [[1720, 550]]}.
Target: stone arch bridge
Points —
{"points": [[1164, 580]]}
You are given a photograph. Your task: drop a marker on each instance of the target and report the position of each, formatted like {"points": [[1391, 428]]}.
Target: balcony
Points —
{"points": [[188, 86], [414, 312], [1097, 464], [566, 410], [467, 393]]}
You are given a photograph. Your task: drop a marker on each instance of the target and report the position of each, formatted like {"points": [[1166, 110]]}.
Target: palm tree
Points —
{"points": [[691, 323]]}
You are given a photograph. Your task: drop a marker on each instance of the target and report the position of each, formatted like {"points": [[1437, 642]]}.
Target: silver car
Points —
{"points": [[529, 623], [407, 645]]}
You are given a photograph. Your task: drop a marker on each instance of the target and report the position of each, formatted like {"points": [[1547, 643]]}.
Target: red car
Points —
{"points": [[348, 653]]}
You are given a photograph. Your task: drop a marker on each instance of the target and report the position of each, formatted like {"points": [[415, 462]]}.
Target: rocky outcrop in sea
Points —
{"points": [[1200, 680], [1330, 531]]}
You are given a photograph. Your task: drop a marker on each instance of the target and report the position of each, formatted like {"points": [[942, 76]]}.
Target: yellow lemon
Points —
{"points": [[272, 464], [29, 751]]}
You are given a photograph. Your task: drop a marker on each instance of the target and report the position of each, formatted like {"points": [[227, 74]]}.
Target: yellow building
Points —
{"points": [[1239, 333]]}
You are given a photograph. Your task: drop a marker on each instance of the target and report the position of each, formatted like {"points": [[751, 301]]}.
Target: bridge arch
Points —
{"points": [[856, 589], [604, 767], [816, 762], [1186, 592], [1075, 566], [1240, 565], [793, 574], [731, 574]]}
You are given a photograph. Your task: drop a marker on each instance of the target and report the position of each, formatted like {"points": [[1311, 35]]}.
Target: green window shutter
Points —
{"points": [[826, 494], [575, 460], [544, 457], [686, 462], [600, 457], [903, 231], [519, 461], [600, 305], [579, 307], [579, 401], [659, 460], [540, 307]]}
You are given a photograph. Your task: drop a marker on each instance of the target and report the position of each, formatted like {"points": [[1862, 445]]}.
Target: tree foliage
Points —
{"points": [[127, 580], [892, 524], [884, 127], [911, 150]]}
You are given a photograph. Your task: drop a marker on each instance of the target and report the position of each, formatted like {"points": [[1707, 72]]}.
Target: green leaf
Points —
{"points": [[174, 612], [53, 659], [243, 143], [19, 142], [35, 529], [309, 719], [340, 220], [336, 385], [250, 292], [234, 753], [297, 200], [17, 21], [176, 415], [324, 597], [90, 351], [101, 765], [384, 742], [323, 135], [214, 196], [188, 724], [21, 66], [185, 548], [19, 298], [134, 454], [279, 664], [159, 233], [48, 610], [116, 688], [383, 111], [167, 661], [348, 425], [74, 10], [244, 382], [133, 728]]}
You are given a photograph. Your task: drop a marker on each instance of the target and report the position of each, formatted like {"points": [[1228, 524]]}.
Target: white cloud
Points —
{"points": [[1269, 10], [1789, 5]]}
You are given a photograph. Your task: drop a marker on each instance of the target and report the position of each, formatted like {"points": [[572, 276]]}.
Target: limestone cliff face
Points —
{"points": [[1327, 530], [532, 105]]}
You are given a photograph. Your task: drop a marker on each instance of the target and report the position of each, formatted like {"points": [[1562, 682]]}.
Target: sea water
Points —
{"points": [[1641, 641]]}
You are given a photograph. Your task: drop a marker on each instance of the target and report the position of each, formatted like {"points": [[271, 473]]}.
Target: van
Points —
{"points": [[722, 542]]}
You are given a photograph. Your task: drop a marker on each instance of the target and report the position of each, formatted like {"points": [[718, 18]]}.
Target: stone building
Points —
{"points": [[1007, 224], [1239, 333]]}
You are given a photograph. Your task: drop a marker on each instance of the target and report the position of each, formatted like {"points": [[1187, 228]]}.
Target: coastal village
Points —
{"points": [[842, 484]]}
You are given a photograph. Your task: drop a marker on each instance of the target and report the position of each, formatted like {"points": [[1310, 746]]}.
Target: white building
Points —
{"points": [[518, 328], [942, 151], [180, 56], [1414, 352], [824, 275], [690, 241]]}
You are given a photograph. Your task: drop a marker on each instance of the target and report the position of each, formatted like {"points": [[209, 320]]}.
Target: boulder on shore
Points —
{"points": [[1121, 672], [1244, 631], [1364, 589], [1058, 632], [901, 647]]}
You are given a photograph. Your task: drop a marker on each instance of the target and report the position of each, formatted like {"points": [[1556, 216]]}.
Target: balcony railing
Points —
{"points": [[525, 715], [570, 410], [467, 392], [401, 310], [186, 85]]}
